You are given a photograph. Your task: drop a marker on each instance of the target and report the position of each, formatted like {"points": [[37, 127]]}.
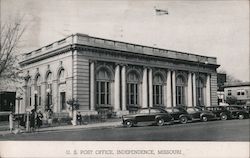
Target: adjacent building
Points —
{"points": [[239, 90], [113, 75]]}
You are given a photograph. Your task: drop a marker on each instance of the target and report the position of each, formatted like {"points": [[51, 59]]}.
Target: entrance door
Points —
{"points": [[63, 100]]}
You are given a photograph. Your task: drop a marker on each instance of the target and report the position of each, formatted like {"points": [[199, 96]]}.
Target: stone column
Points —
{"points": [[208, 91], [174, 89], [92, 85], [194, 89], [117, 89], [123, 87], [145, 88], [150, 87], [168, 95], [190, 93]]}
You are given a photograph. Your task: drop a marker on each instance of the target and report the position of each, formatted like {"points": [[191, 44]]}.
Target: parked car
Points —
{"points": [[197, 113], [247, 108], [237, 112], [147, 115], [179, 114], [220, 112]]}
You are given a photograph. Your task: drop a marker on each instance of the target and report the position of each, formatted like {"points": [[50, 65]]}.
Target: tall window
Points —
{"points": [[61, 76], [38, 89], [180, 91], [157, 90], [102, 87], [132, 89], [49, 87], [200, 92], [29, 92]]}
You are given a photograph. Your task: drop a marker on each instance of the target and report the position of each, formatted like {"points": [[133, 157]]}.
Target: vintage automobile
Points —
{"points": [[179, 114], [247, 108], [237, 112], [197, 113], [147, 115], [220, 112]]}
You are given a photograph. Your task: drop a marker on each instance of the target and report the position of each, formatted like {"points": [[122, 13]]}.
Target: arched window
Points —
{"points": [[38, 88], [102, 87], [29, 92], [132, 89], [180, 91], [157, 90], [61, 76], [200, 92], [49, 88]]}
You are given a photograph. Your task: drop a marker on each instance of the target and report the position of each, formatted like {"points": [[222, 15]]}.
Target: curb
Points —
{"points": [[67, 128]]}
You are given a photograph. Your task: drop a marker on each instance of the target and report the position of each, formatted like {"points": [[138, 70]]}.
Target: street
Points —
{"points": [[229, 130]]}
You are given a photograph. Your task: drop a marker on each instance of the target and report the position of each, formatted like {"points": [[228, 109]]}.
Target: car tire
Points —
{"points": [[223, 117], [160, 122], [204, 118], [128, 123], [183, 120], [241, 116]]}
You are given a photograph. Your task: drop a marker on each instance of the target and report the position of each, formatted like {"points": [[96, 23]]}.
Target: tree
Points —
{"points": [[231, 100], [10, 35], [230, 78]]}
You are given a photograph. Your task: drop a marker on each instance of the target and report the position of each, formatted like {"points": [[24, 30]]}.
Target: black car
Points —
{"points": [[197, 113], [179, 114], [220, 112], [147, 115], [247, 108], [237, 112]]}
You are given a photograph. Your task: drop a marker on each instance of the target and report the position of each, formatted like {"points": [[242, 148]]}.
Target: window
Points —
{"points": [[190, 110], [132, 89], [49, 87], [102, 87], [229, 92], [242, 92], [144, 111], [154, 111], [180, 91], [38, 89], [157, 90], [61, 76], [63, 100], [238, 92], [200, 92], [29, 92]]}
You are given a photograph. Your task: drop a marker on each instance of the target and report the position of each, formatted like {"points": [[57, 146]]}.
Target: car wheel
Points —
{"points": [[183, 119], [160, 122], [241, 116], [223, 117], [128, 123], [204, 118]]}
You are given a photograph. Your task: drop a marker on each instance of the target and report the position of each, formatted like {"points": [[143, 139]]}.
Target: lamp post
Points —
{"points": [[18, 98], [48, 96]]}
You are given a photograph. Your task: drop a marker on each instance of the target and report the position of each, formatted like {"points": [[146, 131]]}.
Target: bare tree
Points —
{"points": [[10, 35]]}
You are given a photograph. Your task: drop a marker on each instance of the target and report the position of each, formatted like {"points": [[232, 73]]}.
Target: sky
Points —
{"points": [[217, 28]]}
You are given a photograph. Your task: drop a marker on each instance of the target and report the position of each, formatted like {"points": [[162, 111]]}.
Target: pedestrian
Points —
{"points": [[32, 120], [79, 118], [39, 119], [49, 117], [11, 122]]}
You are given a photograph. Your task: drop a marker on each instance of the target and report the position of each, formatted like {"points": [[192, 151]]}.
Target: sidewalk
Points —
{"points": [[107, 124]]}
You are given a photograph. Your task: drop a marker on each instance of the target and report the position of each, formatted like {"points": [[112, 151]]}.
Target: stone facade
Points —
{"points": [[118, 76]]}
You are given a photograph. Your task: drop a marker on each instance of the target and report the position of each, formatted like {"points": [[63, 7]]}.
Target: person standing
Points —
{"points": [[32, 120], [79, 118], [11, 122], [39, 119]]}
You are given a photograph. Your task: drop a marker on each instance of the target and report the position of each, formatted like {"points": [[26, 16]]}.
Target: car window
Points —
{"points": [[169, 110], [197, 109], [176, 110], [144, 111], [153, 111], [190, 110]]}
